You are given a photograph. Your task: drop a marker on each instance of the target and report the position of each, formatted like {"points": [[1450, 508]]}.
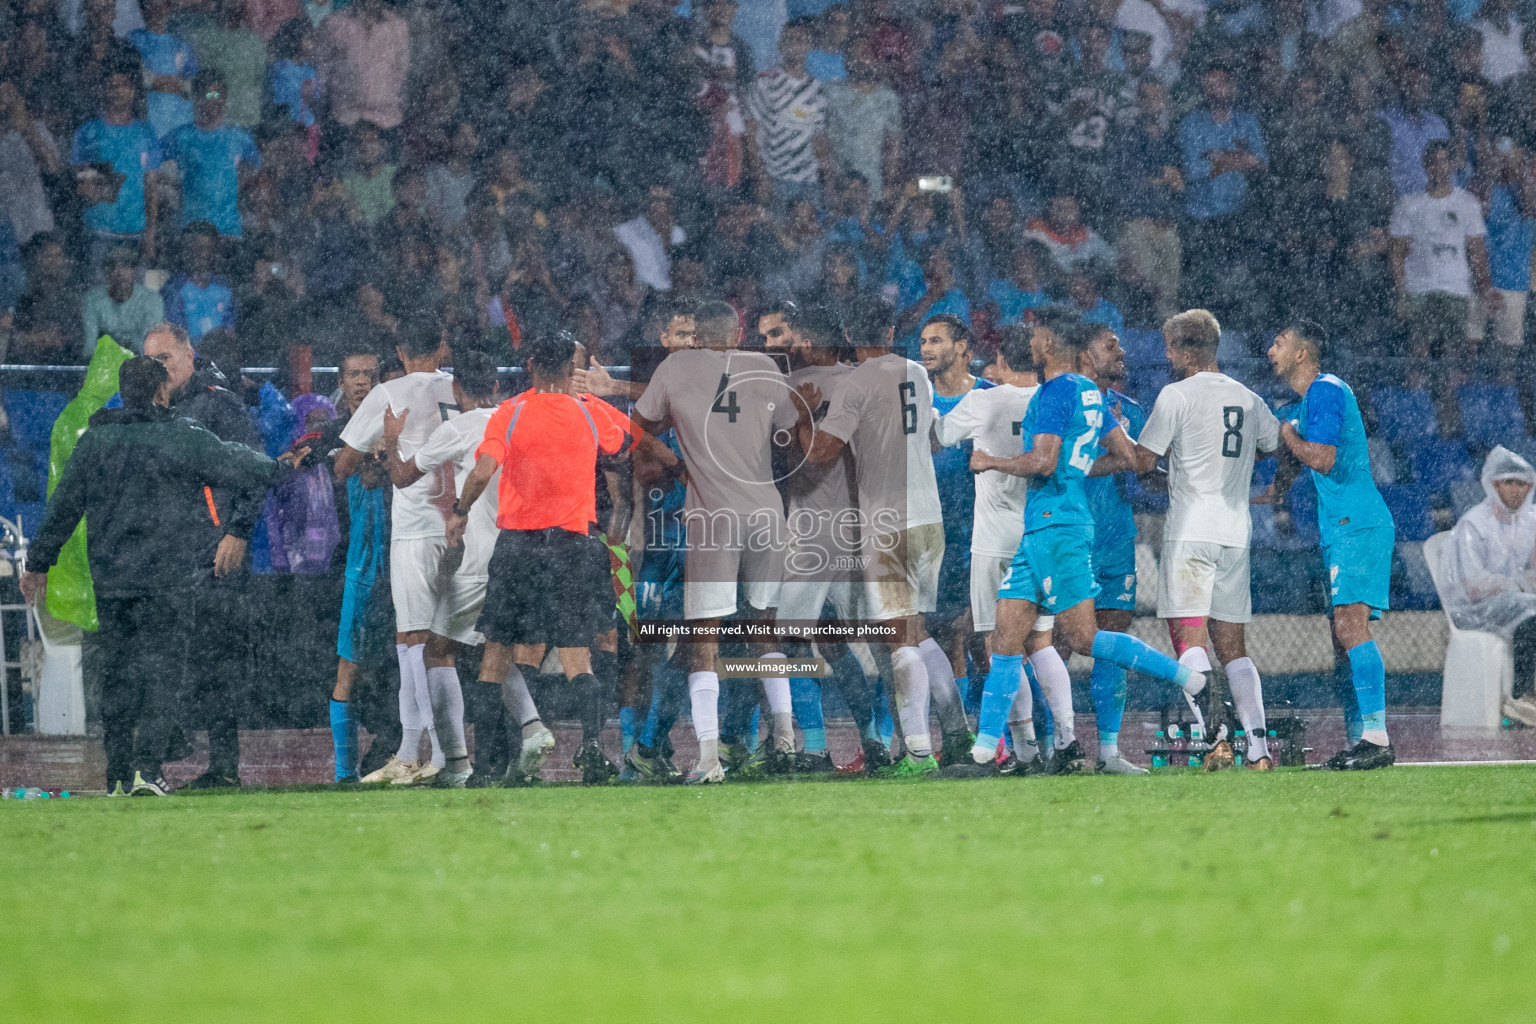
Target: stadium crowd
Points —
{"points": [[387, 188]]}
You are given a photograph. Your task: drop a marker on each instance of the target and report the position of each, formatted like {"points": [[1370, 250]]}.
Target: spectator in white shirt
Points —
{"points": [[1503, 56], [1438, 258], [650, 238]]}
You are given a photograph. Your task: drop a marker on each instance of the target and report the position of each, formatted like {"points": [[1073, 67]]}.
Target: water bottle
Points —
{"points": [[1239, 745], [1160, 750], [25, 793], [1176, 742]]}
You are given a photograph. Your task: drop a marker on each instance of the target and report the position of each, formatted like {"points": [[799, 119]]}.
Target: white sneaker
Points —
{"points": [[535, 749], [707, 777], [1521, 709], [392, 769], [1118, 765], [422, 776]]}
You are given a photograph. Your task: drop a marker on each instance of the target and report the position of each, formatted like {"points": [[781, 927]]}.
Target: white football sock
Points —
{"points": [[411, 724], [416, 658], [1248, 698], [517, 699], [943, 692], [780, 707], [448, 710], [1196, 658], [911, 686], [1056, 684], [704, 696], [1021, 724]]}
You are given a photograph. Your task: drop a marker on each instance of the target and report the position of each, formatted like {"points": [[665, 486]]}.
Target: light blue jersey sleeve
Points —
{"points": [[1347, 499], [1114, 523]]}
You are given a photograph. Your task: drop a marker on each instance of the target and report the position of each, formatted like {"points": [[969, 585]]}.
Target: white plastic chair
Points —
{"points": [[1479, 667]]}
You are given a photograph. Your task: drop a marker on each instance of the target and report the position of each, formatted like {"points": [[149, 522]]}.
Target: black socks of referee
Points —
{"points": [[592, 693]]}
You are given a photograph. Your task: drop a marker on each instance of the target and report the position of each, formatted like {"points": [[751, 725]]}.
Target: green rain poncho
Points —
{"points": [[70, 596]]}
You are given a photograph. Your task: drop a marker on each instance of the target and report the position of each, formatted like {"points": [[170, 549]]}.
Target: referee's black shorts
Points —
{"points": [[547, 586]]}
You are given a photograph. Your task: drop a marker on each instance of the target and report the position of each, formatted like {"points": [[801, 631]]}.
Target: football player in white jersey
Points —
{"points": [[729, 408], [1209, 426], [823, 537], [418, 534], [462, 591], [883, 411], [993, 420]]}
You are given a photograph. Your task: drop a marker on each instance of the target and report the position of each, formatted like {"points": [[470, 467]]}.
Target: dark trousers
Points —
{"points": [[1524, 643], [140, 651], [220, 670]]}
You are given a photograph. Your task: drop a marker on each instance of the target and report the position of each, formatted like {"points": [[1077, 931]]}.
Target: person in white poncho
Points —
{"points": [[1487, 571]]}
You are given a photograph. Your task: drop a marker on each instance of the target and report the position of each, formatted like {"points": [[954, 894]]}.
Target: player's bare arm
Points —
{"points": [[1314, 456], [1119, 457], [348, 461], [474, 486], [401, 473], [1039, 461]]}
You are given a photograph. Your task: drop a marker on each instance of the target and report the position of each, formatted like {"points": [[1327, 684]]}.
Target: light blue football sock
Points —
{"points": [[1131, 654], [996, 697], [1045, 722], [626, 729], [1107, 685], [344, 740], [647, 736], [1370, 676], [1344, 685], [805, 699]]}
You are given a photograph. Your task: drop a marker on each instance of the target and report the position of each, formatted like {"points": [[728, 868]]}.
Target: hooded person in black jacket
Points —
{"points": [[144, 479], [223, 667]]}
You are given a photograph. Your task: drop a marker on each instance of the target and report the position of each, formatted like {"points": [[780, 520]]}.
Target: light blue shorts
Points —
{"points": [[1360, 568], [1053, 569]]}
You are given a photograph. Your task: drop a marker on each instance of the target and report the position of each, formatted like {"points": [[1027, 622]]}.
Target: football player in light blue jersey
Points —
{"points": [[1053, 569], [946, 351], [1327, 435], [1114, 550]]}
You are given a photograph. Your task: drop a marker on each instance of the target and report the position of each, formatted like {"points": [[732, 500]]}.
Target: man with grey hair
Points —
{"points": [[224, 663]]}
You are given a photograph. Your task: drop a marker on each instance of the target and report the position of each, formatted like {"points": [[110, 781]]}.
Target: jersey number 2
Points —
{"points": [[1232, 438], [728, 398], [1082, 455], [908, 391]]}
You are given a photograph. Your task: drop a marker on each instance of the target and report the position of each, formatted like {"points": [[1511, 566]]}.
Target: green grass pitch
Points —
{"points": [[1404, 895]]}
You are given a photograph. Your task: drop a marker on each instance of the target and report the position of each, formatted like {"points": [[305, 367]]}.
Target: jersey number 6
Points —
{"points": [[908, 390]]}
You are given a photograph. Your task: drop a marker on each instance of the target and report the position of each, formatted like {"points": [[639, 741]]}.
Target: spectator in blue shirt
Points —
{"points": [[126, 212], [169, 65], [1083, 290], [1150, 184], [825, 62], [1016, 295], [211, 157], [197, 298], [1221, 150], [939, 295], [1510, 217], [294, 81], [1413, 127]]}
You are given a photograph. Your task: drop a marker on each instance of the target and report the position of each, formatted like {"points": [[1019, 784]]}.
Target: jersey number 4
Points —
{"points": [[1232, 437], [725, 401]]}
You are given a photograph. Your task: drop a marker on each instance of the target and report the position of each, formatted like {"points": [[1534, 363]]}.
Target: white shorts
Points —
{"points": [[711, 577], [803, 600], [1198, 579], [458, 609], [986, 580], [901, 576], [415, 581]]}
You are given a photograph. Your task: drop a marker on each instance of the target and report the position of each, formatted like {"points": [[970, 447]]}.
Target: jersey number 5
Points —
{"points": [[725, 401], [1232, 438], [908, 390], [1082, 451]]}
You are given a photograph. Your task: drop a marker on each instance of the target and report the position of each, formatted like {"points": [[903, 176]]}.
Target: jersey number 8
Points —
{"points": [[1232, 438]]}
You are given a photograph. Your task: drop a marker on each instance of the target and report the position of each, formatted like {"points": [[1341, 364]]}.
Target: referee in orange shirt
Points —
{"points": [[549, 574]]}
